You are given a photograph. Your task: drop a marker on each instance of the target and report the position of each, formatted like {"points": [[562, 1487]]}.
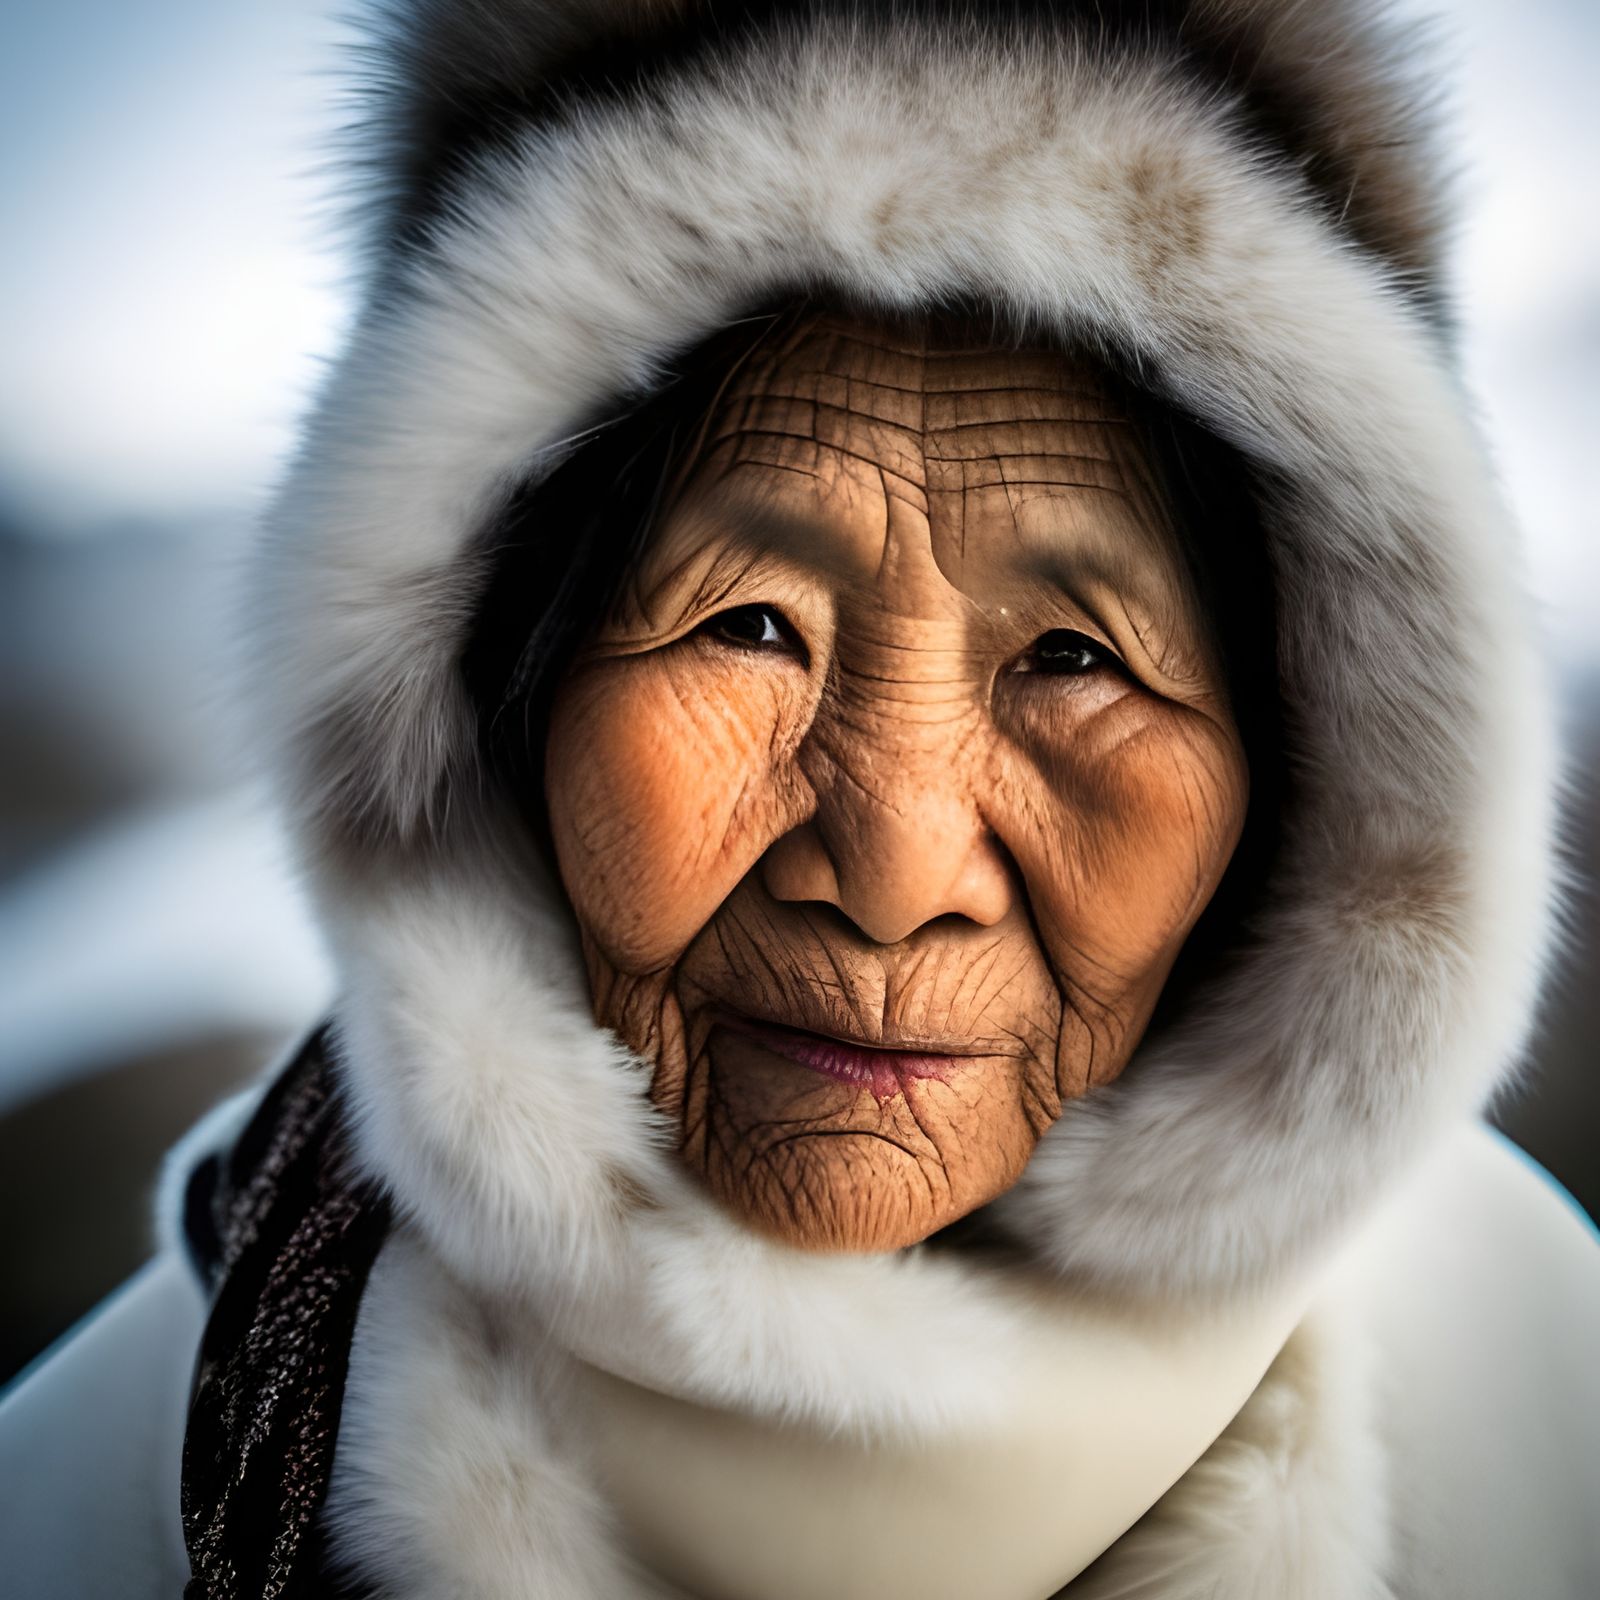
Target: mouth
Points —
{"points": [[884, 1071]]}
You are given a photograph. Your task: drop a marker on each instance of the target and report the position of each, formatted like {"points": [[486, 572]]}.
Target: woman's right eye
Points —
{"points": [[755, 627]]}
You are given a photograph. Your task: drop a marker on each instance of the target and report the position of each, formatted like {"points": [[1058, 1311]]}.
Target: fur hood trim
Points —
{"points": [[1114, 186]]}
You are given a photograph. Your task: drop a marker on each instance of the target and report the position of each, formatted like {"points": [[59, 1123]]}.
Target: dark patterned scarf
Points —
{"points": [[285, 1237]]}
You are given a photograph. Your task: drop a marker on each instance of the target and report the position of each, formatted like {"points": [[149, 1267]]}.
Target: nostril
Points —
{"points": [[829, 921], [798, 869], [883, 879]]}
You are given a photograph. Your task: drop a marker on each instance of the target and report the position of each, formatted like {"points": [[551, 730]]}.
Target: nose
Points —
{"points": [[895, 861]]}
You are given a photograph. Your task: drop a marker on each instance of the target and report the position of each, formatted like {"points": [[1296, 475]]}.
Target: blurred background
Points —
{"points": [[170, 281]]}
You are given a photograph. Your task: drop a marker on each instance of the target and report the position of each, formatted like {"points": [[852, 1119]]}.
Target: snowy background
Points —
{"points": [[170, 281]]}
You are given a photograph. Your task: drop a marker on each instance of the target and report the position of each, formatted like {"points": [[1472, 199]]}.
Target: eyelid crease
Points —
{"points": [[1052, 608], [1157, 673], [1121, 622], [713, 578]]}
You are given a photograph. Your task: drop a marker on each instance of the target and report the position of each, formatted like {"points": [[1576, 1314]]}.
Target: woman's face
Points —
{"points": [[888, 794]]}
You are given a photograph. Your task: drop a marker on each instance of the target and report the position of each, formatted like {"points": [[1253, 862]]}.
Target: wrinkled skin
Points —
{"points": [[907, 733]]}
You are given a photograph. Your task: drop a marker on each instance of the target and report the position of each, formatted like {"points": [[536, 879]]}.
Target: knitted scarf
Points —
{"points": [[285, 1237]]}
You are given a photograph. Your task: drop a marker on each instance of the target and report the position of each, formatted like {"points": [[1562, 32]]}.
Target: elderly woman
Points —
{"points": [[901, 686]]}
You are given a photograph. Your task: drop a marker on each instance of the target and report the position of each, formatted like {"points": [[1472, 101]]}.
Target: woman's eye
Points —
{"points": [[1064, 652], [753, 628]]}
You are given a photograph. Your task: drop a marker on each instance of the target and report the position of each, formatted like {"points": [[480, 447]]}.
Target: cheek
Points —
{"points": [[666, 777], [1122, 831]]}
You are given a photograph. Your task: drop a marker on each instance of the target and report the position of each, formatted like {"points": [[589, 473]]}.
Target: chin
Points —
{"points": [[831, 1145], [871, 1199]]}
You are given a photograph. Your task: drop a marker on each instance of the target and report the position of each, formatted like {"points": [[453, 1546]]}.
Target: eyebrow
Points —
{"points": [[756, 529]]}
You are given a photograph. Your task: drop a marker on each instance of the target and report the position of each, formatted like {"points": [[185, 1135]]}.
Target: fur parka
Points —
{"points": [[1239, 203]]}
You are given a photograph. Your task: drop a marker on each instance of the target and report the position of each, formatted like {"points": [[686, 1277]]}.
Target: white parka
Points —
{"points": [[1317, 1333]]}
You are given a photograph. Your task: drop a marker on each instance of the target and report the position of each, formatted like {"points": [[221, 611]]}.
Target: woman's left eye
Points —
{"points": [[753, 627], [1064, 652]]}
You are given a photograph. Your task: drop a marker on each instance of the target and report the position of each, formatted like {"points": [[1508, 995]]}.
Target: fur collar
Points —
{"points": [[467, 1464]]}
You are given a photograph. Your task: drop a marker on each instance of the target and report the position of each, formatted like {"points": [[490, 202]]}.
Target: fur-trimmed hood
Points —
{"points": [[1238, 198]]}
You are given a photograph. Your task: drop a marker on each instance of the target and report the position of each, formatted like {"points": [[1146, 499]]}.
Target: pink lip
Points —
{"points": [[884, 1072]]}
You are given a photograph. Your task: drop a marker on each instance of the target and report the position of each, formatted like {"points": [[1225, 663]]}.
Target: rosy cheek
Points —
{"points": [[663, 791], [1122, 834], [1164, 863]]}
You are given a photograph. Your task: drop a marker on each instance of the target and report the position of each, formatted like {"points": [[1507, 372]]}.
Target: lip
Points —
{"points": [[883, 1070]]}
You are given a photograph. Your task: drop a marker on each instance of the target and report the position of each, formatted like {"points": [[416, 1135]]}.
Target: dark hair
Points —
{"points": [[562, 549]]}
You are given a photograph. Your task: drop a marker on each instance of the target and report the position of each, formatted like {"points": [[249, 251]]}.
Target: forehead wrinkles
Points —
{"points": [[932, 413]]}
